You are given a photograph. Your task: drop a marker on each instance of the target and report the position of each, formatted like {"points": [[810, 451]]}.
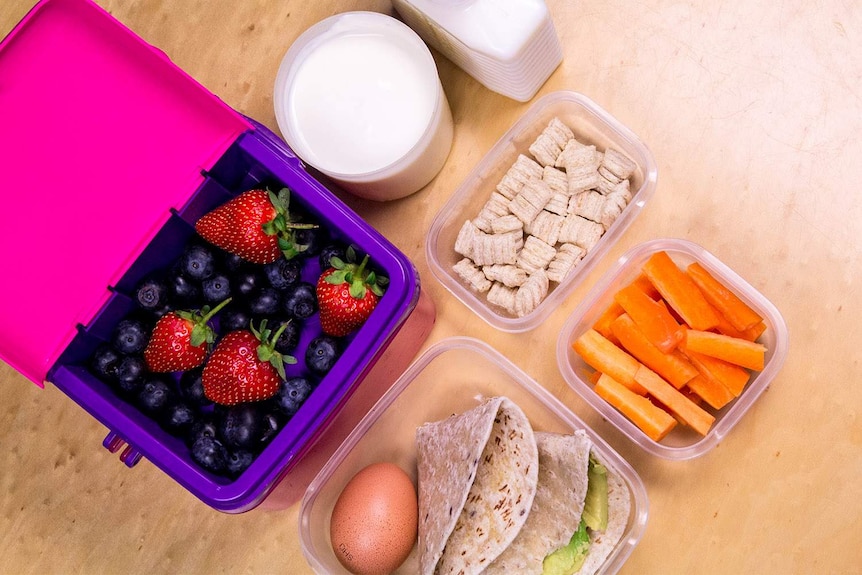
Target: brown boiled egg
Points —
{"points": [[374, 521]]}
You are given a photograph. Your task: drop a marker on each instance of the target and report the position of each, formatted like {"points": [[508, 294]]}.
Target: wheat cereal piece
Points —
{"points": [[535, 255], [618, 163], [521, 171], [580, 231], [531, 200], [568, 256], [572, 148], [545, 150], [507, 223], [588, 204], [496, 207], [508, 275], [503, 296], [531, 293], [491, 249], [558, 204], [546, 226], [615, 203], [464, 240], [556, 179], [581, 179], [551, 142], [471, 274]]}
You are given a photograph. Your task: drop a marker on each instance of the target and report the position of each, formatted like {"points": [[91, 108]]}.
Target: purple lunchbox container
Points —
{"points": [[121, 152]]}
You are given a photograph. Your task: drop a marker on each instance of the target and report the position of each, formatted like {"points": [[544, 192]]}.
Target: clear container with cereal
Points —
{"points": [[591, 126], [682, 442], [452, 376]]}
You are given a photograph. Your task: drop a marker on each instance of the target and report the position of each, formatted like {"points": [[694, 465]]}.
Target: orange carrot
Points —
{"points": [[711, 390], [733, 377], [693, 416], [652, 420], [646, 286], [603, 324], [652, 317], [737, 312], [673, 366], [754, 332], [602, 354], [732, 349], [680, 291]]}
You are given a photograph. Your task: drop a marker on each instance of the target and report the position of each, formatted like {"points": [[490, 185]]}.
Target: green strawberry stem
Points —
{"points": [[266, 350], [283, 226], [201, 331], [358, 279]]}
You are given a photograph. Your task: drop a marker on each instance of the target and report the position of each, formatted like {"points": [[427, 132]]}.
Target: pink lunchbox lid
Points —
{"points": [[102, 136]]}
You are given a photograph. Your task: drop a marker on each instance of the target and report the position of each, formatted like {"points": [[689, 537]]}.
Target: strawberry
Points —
{"points": [[245, 367], [347, 293], [180, 339], [256, 226]]}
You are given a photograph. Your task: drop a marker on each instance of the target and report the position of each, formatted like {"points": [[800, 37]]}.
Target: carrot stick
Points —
{"points": [[711, 390], [733, 377], [603, 355], [652, 317], [655, 422], [673, 366], [680, 291], [693, 416], [737, 312], [732, 349], [603, 324], [646, 286], [754, 332]]}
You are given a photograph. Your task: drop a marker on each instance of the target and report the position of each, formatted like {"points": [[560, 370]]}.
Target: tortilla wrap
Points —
{"points": [[477, 476], [619, 508], [557, 507]]}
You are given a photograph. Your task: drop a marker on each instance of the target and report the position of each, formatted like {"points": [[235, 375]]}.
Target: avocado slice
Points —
{"points": [[596, 503], [569, 559]]}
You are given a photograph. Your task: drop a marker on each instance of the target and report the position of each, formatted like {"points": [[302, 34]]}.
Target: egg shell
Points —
{"points": [[374, 522]]}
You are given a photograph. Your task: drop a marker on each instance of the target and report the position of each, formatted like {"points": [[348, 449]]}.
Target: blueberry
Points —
{"points": [[192, 388], [231, 262], [209, 453], [104, 362], [247, 282], [321, 354], [328, 252], [155, 396], [312, 239], [238, 461], [232, 318], [241, 426], [203, 426], [130, 336], [283, 273], [197, 262], [289, 338], [152, 295], [216, 289], [130, 374], [178, 419], [292, 394], [271, 427], [301, 301], [264, 302], [183, 291]]}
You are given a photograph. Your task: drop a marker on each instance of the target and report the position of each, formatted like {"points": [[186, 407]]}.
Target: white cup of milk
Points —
{"points": [[358, 97]]}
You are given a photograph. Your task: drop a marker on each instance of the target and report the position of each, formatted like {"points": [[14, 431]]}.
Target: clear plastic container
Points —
{"points": [[592, 125], [452, 376], [682, 443]]}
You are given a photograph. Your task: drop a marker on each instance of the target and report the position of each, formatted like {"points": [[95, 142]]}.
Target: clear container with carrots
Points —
{"points": [[672, 347]]}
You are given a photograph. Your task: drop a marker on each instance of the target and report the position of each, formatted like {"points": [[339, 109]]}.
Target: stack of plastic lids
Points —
{"points": [[510, 46]]}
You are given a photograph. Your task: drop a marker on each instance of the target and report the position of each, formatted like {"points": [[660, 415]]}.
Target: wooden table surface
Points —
{"points": [[753, 111]]}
